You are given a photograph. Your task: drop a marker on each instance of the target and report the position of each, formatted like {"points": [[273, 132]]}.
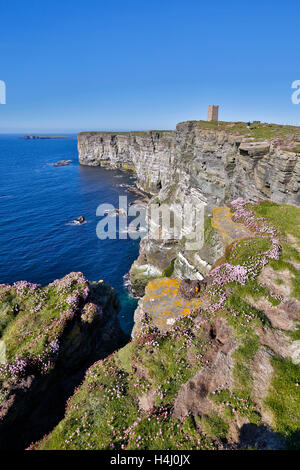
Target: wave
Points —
{"points": [[75, 222]]}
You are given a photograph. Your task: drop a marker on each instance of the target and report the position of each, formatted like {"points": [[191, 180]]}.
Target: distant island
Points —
{"points": [[30, 136]]}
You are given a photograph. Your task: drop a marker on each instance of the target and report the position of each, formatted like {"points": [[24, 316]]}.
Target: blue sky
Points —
{"points": [[147, 64]]}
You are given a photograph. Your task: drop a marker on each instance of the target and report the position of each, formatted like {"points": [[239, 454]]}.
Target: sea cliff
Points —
{"points": [[199, 163], [220, 161]]}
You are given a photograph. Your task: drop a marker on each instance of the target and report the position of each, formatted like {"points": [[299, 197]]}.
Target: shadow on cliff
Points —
{"points": [[263, 438], [40, 404], [37, 403]]}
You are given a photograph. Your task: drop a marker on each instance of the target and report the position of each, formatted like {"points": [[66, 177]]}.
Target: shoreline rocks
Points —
{"points": [[62, 163], [79, 220]]}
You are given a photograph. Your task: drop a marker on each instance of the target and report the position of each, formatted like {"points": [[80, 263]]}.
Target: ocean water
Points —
{"points": [[37, 203]]}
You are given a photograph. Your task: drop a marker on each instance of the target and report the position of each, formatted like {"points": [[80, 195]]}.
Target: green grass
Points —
{"points": [[239, 128], [98, 413], [295, 334], [243, 357], [253, 289], [33, 321], [259, 131], [124, 357], [286, 220], [158, 431], [169, 270], [243, 316], [28, 331], [284, 217], [269, 131], [284, 264], [167, 365], [244, 252], [284, 400], [9, 310], [104, 412], [234, 403], [213, 426]]}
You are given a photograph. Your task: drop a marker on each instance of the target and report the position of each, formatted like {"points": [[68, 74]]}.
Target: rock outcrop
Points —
{"points": [[49, 337]]}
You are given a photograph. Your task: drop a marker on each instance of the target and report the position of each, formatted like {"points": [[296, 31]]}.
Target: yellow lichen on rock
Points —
{"points": [[163, 303], [228, 229]]}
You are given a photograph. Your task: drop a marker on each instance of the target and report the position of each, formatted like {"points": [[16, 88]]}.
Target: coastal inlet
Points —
{"points": [[38, 202]]}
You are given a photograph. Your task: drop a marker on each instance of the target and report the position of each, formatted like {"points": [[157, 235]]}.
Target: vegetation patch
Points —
{"points": [[284, 400], [161, 431], [259, 131], [33, 319], [284, 217], [104, 412], [139, 280], [233, 403], [169, 270], [213, 426]]}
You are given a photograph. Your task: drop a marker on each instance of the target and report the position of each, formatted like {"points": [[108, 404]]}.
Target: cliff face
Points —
{"points": [[199, 163], [48, 337], [149, 154], [220, 164]]}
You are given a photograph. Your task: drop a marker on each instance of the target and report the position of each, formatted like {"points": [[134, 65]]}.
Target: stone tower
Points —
{"points": [[213, 113]]}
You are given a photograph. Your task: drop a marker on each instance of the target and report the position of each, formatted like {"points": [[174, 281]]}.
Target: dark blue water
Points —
{"points": [[37, 200]]}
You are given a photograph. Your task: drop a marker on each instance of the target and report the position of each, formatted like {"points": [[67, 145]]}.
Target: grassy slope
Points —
{"points": [[284, 395], [104, 412]]}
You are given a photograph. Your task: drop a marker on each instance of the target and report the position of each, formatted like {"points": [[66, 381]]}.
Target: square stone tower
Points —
{"points": [[213, 113]]}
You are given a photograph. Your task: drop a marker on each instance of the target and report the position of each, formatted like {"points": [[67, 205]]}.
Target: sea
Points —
{"points": [[39, 241]]}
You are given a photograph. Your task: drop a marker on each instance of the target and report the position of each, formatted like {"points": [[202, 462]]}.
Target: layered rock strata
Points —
{"points": [[197, 165]]}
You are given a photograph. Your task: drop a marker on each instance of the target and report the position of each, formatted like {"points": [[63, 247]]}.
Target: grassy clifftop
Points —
{"points": [[285, 137], [214, 364]]}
